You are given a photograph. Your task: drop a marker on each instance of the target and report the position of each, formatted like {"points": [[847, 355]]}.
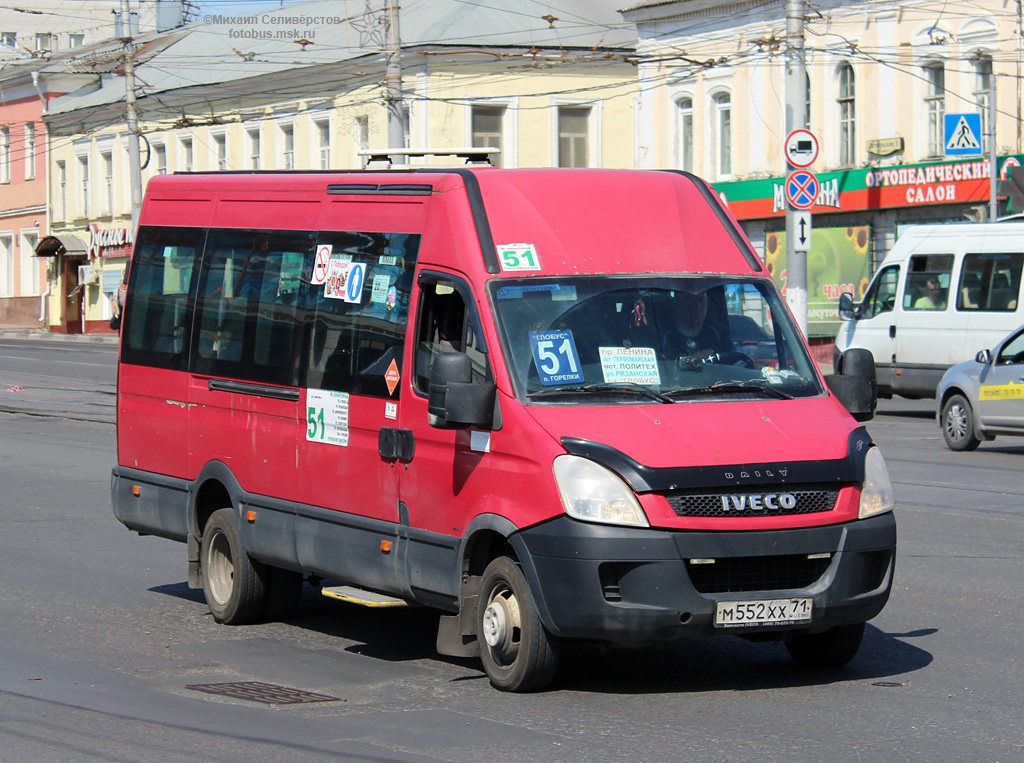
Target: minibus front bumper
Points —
{"points": [[635, 586]]}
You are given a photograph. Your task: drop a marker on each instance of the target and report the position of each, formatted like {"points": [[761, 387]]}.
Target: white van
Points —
{"points": [[943, 293]]}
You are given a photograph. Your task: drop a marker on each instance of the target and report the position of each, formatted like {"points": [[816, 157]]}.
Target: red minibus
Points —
{"points": [[554, 404]]}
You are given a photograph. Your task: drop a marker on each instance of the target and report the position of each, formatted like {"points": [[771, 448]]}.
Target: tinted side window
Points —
{"points": [[249, 305], [157, 316], [928, 282], [444, 324], [990, 282], [881, 298], [351, 345]]}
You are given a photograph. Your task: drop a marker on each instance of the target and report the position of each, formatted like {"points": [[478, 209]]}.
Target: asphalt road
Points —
{"points": [[101, 639]]}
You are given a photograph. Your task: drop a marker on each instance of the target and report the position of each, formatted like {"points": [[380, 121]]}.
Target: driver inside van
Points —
{"points": [[692, 333], [934, 297]]}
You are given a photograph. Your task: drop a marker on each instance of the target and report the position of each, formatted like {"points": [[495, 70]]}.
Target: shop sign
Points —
{"points": [[952, 182], [110, 242], [885, 146]]}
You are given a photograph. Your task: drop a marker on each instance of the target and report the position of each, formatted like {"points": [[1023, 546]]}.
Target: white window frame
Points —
{"points": [[187, 152], [934, 109], [509, 126], [715, 138], [61, 189], [319, 154], [286, 156], [679, 131], [106, 156], [83, 167], [30, 151], [5, 154], [218, 138], [846, 118], [594, 121], [253, 148], [7, 263], [28, 280]]}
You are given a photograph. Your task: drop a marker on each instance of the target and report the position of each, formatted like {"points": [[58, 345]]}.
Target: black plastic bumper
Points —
{"points": [[633, 586]]}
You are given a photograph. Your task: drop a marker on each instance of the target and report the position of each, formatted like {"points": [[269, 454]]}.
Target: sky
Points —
{"points": [[240, 7]]}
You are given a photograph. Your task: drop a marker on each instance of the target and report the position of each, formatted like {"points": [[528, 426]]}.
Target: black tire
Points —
{"points": [[284, 591], [234, 585], [517, 652], [958, 424], [831, 649]]}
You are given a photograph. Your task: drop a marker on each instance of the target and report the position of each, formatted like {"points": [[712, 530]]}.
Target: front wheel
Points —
{"points": [[831, 649], [234, 584], [958, 424], [517, 652]]}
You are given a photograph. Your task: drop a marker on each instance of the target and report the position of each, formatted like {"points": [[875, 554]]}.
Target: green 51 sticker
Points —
{"points": [[518, 257]]}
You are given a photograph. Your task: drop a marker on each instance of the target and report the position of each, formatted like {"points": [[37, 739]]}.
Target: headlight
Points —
{"points": [[594, 493], [876, 494]]}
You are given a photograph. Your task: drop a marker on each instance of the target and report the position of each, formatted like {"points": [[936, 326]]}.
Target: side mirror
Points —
{"points": [[984, 357], [847, 310], [453, 400], [854, 384]]}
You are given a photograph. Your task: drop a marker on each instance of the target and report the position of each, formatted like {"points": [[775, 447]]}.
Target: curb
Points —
{"points": [[41, 334]]}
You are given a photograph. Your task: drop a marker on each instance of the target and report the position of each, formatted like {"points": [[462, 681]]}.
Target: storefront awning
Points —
{"points": [[67, 244]]}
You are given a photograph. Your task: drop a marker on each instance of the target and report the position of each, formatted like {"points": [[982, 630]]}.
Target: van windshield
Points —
{"points": [[644, 339]]}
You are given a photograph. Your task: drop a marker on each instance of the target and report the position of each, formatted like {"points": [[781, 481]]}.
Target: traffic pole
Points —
{"points": [[796, 118]]}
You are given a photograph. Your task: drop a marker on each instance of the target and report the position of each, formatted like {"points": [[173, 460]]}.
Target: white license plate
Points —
{"points": [[745, 614]]}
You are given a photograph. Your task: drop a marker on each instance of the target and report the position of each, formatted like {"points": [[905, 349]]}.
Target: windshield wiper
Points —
{"points": [[722, 387], [590, 389]]}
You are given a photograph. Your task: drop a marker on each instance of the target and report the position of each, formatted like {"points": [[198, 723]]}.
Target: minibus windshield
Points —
{"points": [[660, 340]]}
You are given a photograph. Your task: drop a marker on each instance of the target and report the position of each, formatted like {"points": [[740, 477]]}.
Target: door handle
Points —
{"points": [[396, 444], [892, 331]]}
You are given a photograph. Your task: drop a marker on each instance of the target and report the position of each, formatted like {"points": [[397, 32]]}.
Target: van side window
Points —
{"points": [[928, 282], [156, 322], [444, 324], [881, 297], [990, 282], [351, 345], [248, 307]]}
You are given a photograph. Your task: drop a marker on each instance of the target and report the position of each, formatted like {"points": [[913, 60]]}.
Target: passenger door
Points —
{"points": [[925, 341], [875, 329], [1001, 387]]}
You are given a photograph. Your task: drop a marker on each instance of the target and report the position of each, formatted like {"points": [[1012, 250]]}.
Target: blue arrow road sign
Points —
{"points": [[802, 189]]}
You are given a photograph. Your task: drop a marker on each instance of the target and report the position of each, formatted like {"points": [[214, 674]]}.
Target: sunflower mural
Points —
{"points": [[838, 262]]}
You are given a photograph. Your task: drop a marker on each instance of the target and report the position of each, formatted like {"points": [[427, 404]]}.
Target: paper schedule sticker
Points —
{"points": [[629, 365], [327, 416]]}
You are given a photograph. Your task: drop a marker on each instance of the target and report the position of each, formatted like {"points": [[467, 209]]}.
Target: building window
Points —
{"points": [[363, 133], [83, 174], [807, 103], [5, 155], [847, 117], [160, 159], [685, 109], [721, 134], [76, 40], [486, 127], [29, 264], [187, 155], [982, 90], [107, 163], [935, 107], [220, 151], [573, 132], [253, 139], [323, 142], [45, 43], [8, 39], [6, 265], [288, 147], [30, 151], [62, 191]]}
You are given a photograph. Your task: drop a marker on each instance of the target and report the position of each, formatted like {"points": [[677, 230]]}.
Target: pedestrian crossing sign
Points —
{"points": [[963, 135]]}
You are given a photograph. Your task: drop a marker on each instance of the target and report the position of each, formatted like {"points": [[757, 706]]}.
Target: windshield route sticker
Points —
{"points": [[514, 257], [345, 280], [555, 354], [629, 365]]}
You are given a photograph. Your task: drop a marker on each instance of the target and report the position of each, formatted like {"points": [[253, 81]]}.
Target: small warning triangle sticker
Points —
{"points": [[963, 137], [392, 377]]}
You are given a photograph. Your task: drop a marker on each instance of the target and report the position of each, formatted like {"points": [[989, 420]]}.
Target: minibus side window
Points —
{"points": [[990, 282], [444, 324], [928, 282], [157, 316], [351, 346], [881, 297], [249, 305]]}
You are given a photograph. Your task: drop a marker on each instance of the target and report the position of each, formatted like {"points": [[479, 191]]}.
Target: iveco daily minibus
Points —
{"points": [[554, 404]]}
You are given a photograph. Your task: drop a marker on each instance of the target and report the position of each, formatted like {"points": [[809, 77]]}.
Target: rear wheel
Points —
{"points": [[831, 649], [234, 584], [958, 424], [517, 652]]}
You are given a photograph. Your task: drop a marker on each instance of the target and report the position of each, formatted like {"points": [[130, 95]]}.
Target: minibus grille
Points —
{"points": [[771, 501], [755, 573]]}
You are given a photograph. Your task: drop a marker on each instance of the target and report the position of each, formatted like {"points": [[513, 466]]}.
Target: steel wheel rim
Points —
{"points": [[956, 423], [502, 625], [220, 571]]}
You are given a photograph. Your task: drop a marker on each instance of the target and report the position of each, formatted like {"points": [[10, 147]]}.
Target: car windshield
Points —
{"points": [[656, 340]]}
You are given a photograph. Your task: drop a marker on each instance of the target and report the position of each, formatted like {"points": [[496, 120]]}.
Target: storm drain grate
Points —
{"points": [[269, 694]]}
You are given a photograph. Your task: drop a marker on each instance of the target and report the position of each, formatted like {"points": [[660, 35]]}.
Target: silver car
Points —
{"points": [[981, 398]]}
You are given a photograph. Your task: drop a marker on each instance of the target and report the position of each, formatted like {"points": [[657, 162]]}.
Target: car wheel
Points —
{"points": [[831, 649], [234, 584], [517, 652], [958, 424]]}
